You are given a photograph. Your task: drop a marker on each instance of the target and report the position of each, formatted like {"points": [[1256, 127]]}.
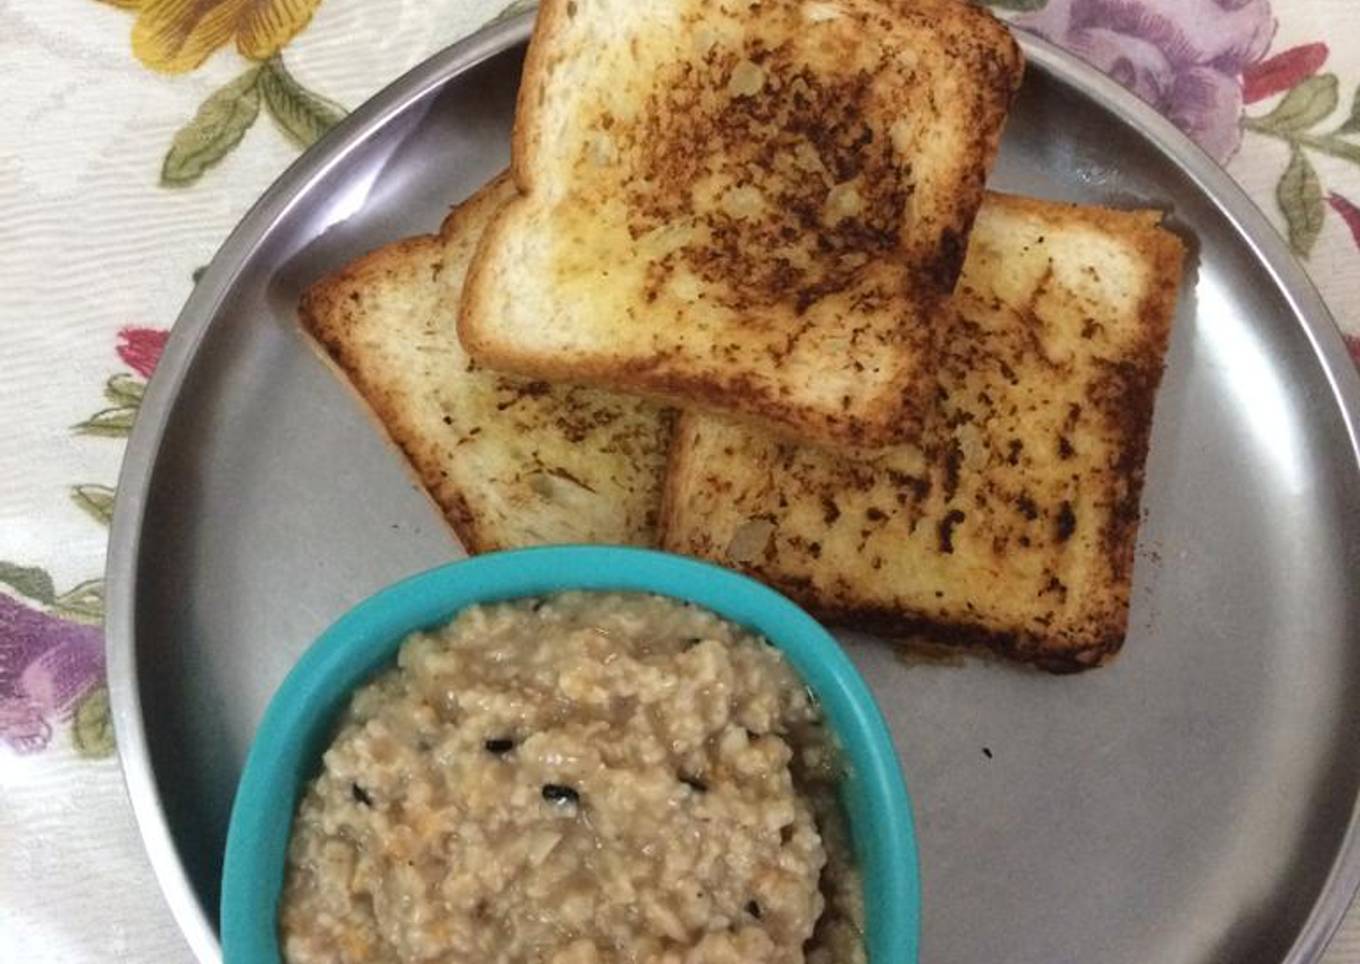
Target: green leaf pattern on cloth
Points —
{"points": [[1352, 124], [1313, 99], [1299, 194], [82, 603], [111, 422], [1300, 120], [97, 500], [92, 725], [124, 389], [301, 114], [30, 581], [218, 126], [224, 118]]}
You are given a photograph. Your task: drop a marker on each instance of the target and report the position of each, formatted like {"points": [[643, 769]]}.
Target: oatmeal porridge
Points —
{"points": [[588, 777]]}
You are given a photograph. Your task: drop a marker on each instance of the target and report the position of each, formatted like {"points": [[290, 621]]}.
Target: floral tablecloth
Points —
{"points": [[137, 132]]}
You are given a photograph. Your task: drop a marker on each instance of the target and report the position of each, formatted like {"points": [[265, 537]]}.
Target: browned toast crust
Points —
{"points": [[871, 278], [509, 461], [1028, 479]]}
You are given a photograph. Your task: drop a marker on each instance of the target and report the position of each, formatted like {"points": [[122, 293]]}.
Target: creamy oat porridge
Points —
{"points": [[589, 777]]}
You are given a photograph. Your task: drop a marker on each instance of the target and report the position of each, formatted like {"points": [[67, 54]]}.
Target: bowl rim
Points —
{"points": [[299, 720]]}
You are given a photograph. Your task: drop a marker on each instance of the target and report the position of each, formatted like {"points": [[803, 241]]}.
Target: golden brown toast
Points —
{"points": [[749, 206], [1013, 524], [511, 462]]}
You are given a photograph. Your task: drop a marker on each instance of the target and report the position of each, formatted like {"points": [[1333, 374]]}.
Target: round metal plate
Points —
{"points": [[1195, 801]]}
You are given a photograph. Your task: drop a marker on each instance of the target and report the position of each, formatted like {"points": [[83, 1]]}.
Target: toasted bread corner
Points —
{"points": [[511, 462]]}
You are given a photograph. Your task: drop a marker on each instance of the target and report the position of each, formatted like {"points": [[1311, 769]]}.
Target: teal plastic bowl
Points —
{"points": [[298, 725]]}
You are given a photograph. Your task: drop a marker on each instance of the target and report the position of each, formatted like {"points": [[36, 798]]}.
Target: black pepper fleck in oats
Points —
{"points": [[556, 793]]}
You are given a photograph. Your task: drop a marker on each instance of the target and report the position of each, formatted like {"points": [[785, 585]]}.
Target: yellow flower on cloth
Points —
{"points": [[174, 36]]}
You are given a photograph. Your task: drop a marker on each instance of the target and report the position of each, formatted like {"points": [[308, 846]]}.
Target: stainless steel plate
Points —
{"points": [[1195, 801]]}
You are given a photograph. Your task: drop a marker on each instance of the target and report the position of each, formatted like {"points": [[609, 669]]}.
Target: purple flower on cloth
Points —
{"points": [[47, 665], [1184, 57]]}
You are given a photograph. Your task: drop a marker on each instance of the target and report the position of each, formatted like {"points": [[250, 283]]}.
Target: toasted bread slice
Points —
{"points": [[510, 462], [751, 206], [1014, 524]]}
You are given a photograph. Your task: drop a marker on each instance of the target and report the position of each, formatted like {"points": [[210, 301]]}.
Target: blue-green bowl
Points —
{"points": [[298, 724]]}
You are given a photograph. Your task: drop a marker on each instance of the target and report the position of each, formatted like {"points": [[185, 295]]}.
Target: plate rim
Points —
{"points": [[1250, 224]]}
